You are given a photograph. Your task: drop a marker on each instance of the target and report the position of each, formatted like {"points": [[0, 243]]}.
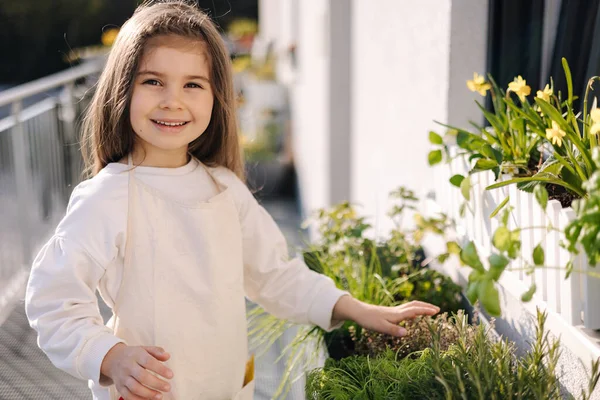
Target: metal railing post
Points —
{"points": [[20, 149]]}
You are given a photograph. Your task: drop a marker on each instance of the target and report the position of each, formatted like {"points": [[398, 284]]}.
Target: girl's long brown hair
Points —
{"points": [[107, 132]]}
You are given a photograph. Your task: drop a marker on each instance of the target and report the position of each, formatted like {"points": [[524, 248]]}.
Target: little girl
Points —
{"points": [[168, 232]]}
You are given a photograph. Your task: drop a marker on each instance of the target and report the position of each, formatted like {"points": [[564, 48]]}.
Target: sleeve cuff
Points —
{"points": [[92, 354], [321, 310]]}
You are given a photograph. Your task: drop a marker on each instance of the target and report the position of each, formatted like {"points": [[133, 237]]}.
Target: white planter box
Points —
{"points": [[574, 299], [570, 304]]}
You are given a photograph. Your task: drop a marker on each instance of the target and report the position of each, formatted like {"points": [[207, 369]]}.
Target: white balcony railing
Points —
{"points": [[574, 299], [40, 163]]}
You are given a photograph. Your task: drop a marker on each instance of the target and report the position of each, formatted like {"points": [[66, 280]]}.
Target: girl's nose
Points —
{"points": [[171, 100]]}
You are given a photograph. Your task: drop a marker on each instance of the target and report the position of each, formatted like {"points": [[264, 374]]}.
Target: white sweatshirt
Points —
{"points": [[86, 254]]}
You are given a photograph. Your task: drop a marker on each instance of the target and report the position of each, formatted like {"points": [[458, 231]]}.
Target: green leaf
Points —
{"points": [[498, 156], [497, 209], [469, 256], [506, 216], [538, 255], [469, 141], [443, 257], [472, 291], [569, 269], [489, 297], [465, 188], [501, 239], [497, 265], [538, 178], [541, 195], [456, 180], [462, 209], [434, 138], [487, 151], [453, 248], [484, 164], [571, 178], [515, 248], [568, 79], [475, 276], [528, 295], [549, 110], [435, 157]]}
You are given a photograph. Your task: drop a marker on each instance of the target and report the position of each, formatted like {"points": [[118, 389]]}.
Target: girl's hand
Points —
{"points": [[379, 318], [129, 368]]}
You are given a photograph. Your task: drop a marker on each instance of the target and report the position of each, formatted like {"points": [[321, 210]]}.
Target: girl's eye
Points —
{"points": [[152, 82], [194, 85]]}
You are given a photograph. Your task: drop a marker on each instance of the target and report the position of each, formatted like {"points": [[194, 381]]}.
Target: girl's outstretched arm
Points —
{"points": [[379, 318]]}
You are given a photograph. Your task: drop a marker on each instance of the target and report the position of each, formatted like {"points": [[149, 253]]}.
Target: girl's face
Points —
{"points": [[172, 99]]}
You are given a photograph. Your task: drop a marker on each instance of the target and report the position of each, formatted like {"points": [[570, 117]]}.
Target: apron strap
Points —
{"points": [[128, 234], [212, 177]]}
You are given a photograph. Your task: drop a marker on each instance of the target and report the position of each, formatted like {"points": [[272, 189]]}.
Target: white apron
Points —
{"points": [[182, 289]]}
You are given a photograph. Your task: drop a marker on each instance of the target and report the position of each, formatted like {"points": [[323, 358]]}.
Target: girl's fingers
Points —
{"points": [[420, 303], [393, 329], [149, 362], [140, 390], [148, 379], [129, 395], [412, 312], [158, 352]]}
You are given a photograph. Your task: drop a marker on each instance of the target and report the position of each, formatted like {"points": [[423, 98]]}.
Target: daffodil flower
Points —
{"points": [[519, 86], [545, 94], [478, 84], [555, 134], [595, 115]]}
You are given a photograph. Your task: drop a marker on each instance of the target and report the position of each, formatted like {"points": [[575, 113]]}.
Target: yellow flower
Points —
{"points": [[555, 134], [595, 115], [478, 84], [545, 94], [109, 36], [519, 86]]}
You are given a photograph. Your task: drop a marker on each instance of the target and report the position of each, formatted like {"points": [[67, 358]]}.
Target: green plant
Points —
{"points": [[474, 367], [507, 145], [544, 143], [506, 249], [491, 370], [386, 272], [585, 228], [572, 140]]}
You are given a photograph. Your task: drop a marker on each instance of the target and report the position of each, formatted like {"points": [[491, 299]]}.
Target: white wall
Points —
{"points": [[400, 84], [269, 21], [309, 98], [409, 62]]}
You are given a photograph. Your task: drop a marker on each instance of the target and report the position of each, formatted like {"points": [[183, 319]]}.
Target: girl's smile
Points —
{"points": [[169, 126]]}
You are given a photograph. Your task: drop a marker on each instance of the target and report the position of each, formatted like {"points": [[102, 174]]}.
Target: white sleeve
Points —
{"points": [[62, 307], [286, 288], [61, 302]]}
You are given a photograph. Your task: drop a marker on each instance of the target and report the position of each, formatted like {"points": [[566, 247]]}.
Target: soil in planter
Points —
{"points": [[561, 194], [418, 337], [555, 192]]}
